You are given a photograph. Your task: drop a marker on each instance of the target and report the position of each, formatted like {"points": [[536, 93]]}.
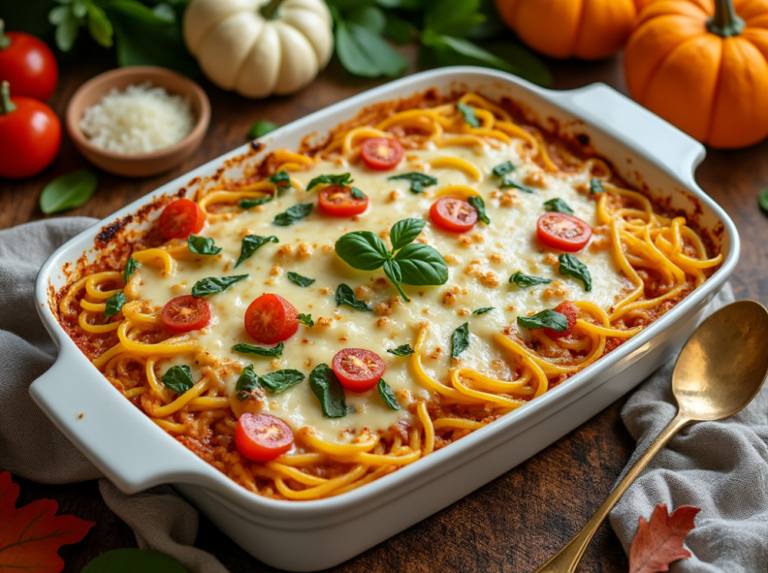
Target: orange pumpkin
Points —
{"points": [[587, 29], [703, 66]]}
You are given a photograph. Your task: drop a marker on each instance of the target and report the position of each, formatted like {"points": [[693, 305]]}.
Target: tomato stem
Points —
{"points": [[725, 23], [6, 105], [269, 10], [5, 41]]}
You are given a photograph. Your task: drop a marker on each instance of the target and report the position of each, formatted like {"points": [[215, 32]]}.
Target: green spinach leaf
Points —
{"points": [[292, 214], [202, 245], [387, 395], [247, 384], [503, 169], [274, 352], [296, 278], [558, 205], [524, 281], [545, 319], [214, 285], [325, 385], [571, 266], [479, 205], [114, 305], [365, 53], [345, 295], [281, 380], [251, 244], [460, 340], [68, 191], [178, 378]]}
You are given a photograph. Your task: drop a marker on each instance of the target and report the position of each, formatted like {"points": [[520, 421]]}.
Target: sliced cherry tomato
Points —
{"points": [[452, 214], [339, 201], [564, 232], [271, 319], [28, 64], [571, 313], [180, 219], [382, 153], [358, 369], [185, 313], [262, 437]]}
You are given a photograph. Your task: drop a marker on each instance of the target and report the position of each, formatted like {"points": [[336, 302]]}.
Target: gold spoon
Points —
{"points": [[719, 371]]}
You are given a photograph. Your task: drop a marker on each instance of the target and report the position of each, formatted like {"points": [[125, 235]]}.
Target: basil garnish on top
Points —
{"points": [[571, 266], [292, 214], [468, 113], [281, 179], [214, 285], [402, 350], [130, 267], [387, 395], [524, 281], [545, 319], [507, 183], [479, 205], [306, 320], [281, 380], [274, 352], [417, 180], [296, 278], [596, 186], [114, 305], [178, 378], [504, 169], [345, 295], [558, 205], [343, 179], [483, 310], [327, 388], [251, 244], [247, 384], [460, 340], [202, 245], [248, 203], [356, 193]]}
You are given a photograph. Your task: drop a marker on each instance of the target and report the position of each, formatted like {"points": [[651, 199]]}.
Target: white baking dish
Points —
{"points": [[306, 536]]}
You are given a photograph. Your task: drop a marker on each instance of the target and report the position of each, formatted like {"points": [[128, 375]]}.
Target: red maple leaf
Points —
{"points": [[30, 536], [659, 542]]}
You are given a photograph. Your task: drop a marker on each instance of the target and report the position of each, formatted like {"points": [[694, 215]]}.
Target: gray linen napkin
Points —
{"points": [[30, 446]]}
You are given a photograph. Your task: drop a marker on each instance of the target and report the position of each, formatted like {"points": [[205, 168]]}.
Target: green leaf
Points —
{"points": [[202, 245], [296, 278], [165, 12], [395, 274], [398, 30], [417, 180], [280, 179], [524, 281], [342, 179], [327, 388], [571, 266], [345, 295], [366, 54], [292, 214], [558, 205], [483, 310], [460, 340], [261, 128], [114, 305], [420, 264], [479, 205], [68, 191], [369, 17], [545, 319], [178, 378], [306, 320], [58, 14], [402, 350], [596, 186], [247, 383], [99, 25], [387, 395], [503, 169], [67, 31], [251, 244], [248, 203], [274, 352], [362, 250], [405, 231], [132, 560], [356, 193], [453, 17], [468, 113], [506, 183], [762, 199], [214, 285], [130, 267], [281, 380]]}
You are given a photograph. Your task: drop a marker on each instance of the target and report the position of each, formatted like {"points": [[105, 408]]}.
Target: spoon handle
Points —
{"points": [[567, 559]]}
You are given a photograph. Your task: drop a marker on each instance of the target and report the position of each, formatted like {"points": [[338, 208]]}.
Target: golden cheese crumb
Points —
{"points": [[557, 288], [490, 279], [383, 322], [465, 240], [326, 290], [363, 292], [328, 248], [305, 251], [276, 271], [394, 195], [507, 199], [550, 259], [284, 251], [324, 322], [464, 312], [534, 178], [451, 259], [478, 237], [452, 294], [379, 284], [276, 363], [387, 308], [496, 258]]}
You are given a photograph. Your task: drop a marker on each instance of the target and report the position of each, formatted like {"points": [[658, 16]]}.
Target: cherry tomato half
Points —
{"points": [[382, 153], [180, 219], [564, 232], [28, 64], [338, 201], [571, 313], [185, 313], [30, 134], [262, 437], [271, 319], [358, 369], [452, 214]]}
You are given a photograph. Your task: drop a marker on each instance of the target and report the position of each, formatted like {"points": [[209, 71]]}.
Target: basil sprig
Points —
{"points": [[296, 278], [178, 378], [202, 245], [468, 113], [130, 267], [248, 203], [402, 350], [596, 186], [524, 281], [114, 305], [306, 320], [387, 395], [545, 319], [280, 380], [326, 386], [251, 244], [274, 352], [558, 205], [292, 214], [483, 310], [214, 285], [460, 340], [417, 180], [343, 179], [479, 205], [571, 266], [407, 263], [247, 384], [345, 295]]}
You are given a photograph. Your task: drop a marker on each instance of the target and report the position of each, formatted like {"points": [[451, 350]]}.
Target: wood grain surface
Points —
{"points": [[517, 521]]}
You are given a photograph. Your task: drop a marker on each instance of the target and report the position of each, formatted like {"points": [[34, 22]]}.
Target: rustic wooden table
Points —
{"points": [[512, 524]]}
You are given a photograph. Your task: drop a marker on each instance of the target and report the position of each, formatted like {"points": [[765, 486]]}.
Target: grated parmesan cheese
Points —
{"points": [[140, 119]]}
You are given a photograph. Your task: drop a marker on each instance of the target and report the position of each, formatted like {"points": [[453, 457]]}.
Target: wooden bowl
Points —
{"points": [[143, 164]]}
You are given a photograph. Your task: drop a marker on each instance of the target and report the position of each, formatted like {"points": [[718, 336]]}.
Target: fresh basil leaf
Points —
{"points": [[571, 266], [453, 17], [387, 395], [483, 310], [468, 113], [558, 205], [545, 319], [274, 352], [246, 383], [503, 169], [479, 205], [251, 244], [366, 54], [178, 378], [261, 128], [460, 340], [356, 193], [524, 281], [327, 388], [420, 264], [296, 278], [507, 183], [114, 305], [99, 25], [398, 30], [417, 180], [342, 179], [165, 11], [392, 270], [370, 17], [362, 250], [248, 203], [214, 285], [68, 191], [130, 267], [292, 214], [596, 186], [402, 350], [202, 245], [306, 320], [762, 199], [281, 380], [405, 231], [345, 295], [280, 179], [67, 29]]}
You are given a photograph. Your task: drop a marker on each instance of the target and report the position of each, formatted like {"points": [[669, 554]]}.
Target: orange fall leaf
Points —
{"points": [[659, 542]]}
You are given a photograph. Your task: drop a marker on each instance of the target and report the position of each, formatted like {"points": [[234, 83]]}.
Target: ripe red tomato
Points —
{"points": [[571, 313], [185, 313], [262, 437], [564, 232], [338, 201], [180, 219], [30, 135], [382, 153], [28, 65], [452, 214], [358, 369], [271, 319]]}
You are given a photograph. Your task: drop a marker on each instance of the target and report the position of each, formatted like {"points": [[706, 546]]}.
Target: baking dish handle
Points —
{"points": [[618, 115]]}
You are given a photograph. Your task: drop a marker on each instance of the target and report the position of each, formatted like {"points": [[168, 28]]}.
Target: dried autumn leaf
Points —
{"points": [[30, 536], [659, 542]]}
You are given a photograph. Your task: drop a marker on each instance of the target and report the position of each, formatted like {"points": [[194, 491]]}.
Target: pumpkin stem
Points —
{"points": [[725, 23], [6, 105], [269, 10], [5, 41]]}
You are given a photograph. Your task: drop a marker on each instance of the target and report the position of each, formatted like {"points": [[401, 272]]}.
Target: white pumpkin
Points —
{"points": [[240, 49]]}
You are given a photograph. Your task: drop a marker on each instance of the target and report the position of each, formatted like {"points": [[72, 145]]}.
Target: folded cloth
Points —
{"points": [[30, 446], [720, 467]]}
